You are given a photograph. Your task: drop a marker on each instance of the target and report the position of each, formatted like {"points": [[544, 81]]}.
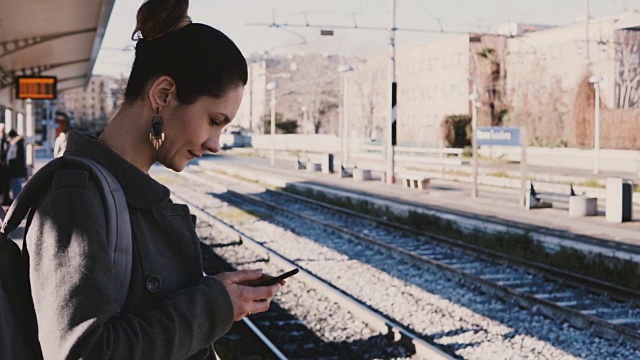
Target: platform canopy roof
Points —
{"points": [[51, 38]]}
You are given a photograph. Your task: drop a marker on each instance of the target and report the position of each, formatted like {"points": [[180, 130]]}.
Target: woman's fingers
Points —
{"points": [[247, 299]]}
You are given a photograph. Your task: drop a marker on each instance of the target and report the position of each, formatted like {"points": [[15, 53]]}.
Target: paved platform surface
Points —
{"points": [[492, 203]]}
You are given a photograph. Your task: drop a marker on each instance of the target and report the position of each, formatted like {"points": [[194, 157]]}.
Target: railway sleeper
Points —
{"points": [[625, 321], [606, 333], [550, 296], [511, 283], [496, 276]]}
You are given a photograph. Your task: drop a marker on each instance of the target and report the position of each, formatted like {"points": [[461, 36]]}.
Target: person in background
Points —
{"points": [[60, 144], [185, 86], [16, 161]]}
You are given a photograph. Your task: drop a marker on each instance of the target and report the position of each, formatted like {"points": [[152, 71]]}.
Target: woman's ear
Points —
{"points": [[160, 92]]}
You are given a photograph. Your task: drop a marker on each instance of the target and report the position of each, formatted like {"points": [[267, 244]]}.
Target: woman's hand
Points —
{"points": [[245, 298]]}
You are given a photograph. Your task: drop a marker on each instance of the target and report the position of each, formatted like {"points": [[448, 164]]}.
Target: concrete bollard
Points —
{"points": [[361, 174], [619, 206], [327, 163], [582, 206], [312, 167]]}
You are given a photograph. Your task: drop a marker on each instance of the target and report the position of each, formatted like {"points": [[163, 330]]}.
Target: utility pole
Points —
{"points": [[596, 146], [474, 137], [391, 125], [272, 86], [587, 33]]}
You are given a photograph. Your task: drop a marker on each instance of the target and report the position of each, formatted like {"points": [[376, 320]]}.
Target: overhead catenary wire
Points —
{"points": [[440, 19], [351, 27]]}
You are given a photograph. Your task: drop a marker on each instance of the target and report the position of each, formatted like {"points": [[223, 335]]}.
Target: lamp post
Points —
{"points": [[272, 86], [305, 116], [343, 70], [596, 80], [473, 97]]}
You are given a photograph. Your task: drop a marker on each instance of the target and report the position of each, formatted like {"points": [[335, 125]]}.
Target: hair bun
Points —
{"points": [[157, 18]]}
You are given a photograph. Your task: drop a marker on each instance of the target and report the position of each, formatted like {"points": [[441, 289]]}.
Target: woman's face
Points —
{"points": [[190, 130]]}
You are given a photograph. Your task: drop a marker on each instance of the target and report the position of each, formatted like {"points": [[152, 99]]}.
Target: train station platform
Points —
{"points": [[493, 204]]}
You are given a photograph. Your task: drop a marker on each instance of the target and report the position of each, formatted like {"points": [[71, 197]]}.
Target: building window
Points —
{"points": [[580, 48]]}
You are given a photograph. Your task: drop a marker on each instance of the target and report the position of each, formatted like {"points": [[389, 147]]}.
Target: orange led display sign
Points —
{"points": [[36, 87]]}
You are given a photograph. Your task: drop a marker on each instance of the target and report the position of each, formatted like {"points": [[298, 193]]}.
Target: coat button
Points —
{"points": [[153, 283]]}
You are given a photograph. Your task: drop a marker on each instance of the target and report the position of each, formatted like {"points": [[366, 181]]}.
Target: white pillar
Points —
{"points": [[523, 166], [345, 133], [341, 130], [30, 132], [474, 138], [8, 120], [20, 126], [273, 126], [596, 160]]}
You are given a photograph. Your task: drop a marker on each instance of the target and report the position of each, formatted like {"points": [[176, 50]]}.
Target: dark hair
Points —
{"points": [[200, 59], [12, 133]]}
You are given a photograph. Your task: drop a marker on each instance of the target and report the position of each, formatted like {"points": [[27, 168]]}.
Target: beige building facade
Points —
{"points": [[434, 81], [548, 72]]}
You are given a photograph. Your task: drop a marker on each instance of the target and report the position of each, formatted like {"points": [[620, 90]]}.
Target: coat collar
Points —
{"points": [[140, 189]]}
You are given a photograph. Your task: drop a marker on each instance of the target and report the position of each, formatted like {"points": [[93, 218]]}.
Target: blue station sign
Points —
{"points": [[498, 136]]}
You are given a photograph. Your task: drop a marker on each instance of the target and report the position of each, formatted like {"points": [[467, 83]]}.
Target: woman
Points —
{"points": [[185, 86]]}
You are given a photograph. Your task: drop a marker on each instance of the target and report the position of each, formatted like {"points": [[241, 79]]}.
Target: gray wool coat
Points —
{"points": [[171, 312]]}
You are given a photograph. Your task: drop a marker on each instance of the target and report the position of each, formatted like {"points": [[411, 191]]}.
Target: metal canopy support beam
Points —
{"points": [[35, 70], [12, 46], [103, 20], [60, 89], [71, 78], [351, 27]]}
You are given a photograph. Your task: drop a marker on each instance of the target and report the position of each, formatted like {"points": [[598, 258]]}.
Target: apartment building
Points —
{"points": [[91, 107], [547, 68], [434, 80]]}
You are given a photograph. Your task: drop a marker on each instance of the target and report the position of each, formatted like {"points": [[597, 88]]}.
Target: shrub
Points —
{"points": [[456, 131]]}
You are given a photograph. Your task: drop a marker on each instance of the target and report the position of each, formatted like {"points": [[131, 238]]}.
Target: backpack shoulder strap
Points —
{"points": [[116, 210]]}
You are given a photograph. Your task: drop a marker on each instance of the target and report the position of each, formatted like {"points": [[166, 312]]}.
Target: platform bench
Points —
{"points": [[415, 180], [363, 171], [543, 195]]}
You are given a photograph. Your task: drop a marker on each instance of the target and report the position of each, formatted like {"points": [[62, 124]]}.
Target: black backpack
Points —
{"points": [[18, 326]]}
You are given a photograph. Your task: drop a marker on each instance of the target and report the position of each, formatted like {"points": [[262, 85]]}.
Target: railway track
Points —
{"points": [[286, 336], [532, 290], [610, 311]]}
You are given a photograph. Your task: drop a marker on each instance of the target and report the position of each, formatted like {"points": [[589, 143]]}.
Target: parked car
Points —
{"points": [[234, 138]]}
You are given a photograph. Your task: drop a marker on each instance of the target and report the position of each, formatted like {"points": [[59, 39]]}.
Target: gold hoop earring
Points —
{"points": [[156, 136]]}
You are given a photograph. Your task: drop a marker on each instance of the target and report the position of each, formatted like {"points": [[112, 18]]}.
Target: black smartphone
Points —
{"points": [[278, 278]]}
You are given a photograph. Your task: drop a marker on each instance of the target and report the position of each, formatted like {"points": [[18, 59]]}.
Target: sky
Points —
{"points": [[233, 17]]}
